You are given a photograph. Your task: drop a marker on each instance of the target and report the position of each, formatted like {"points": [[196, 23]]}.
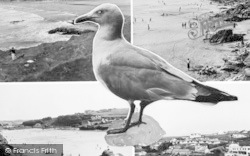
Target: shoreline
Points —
{"points": [[168, 39], [27, 29], [26, 23]]}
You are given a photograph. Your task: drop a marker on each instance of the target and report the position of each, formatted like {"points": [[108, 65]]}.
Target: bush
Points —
{"points": [[68, 120], [164, 146], [46, 119], [32, 122]]}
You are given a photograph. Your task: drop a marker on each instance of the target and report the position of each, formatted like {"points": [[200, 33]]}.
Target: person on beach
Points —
{"points": [[242, 42], [148, 27], [180, 10], [207, 34], [13, 53], [188, 64], [235, 25]]}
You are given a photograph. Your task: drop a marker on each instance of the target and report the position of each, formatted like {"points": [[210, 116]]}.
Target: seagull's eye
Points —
{"points": [[99, 12]]}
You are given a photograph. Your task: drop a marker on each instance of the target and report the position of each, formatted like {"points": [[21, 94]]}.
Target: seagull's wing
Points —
{"points": [[166, 82]]}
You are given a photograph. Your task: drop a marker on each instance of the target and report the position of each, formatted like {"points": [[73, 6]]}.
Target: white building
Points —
{"points": [[237, 150], [37, 125], [202, 148], [244, 132], [196, 141], [141, 153], [239, 136], [195, 135]]}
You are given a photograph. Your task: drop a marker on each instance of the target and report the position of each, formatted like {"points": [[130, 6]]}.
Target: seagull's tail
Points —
{"points": [[212, 95]]}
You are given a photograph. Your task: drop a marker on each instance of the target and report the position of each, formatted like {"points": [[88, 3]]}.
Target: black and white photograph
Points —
{"points": [[39, 42], [124, 77], [207, 39]]}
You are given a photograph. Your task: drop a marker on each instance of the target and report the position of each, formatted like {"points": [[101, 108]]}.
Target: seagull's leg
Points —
{"points": [[143, 104], [128, 120]]}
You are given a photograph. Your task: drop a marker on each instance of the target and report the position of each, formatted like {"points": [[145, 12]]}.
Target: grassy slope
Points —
{"points": [[59, 61]]}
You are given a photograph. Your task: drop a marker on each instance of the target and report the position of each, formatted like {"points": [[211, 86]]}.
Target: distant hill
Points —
{"points": [[76, 120]]}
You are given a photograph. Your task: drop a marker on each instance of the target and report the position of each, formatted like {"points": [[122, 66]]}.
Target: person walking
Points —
{"points": [[148, 27], [235, 25], [13, 53], [242, 42], [188, 64]]}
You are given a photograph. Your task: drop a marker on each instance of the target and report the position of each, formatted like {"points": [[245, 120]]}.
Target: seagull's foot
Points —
{"points": [[138, 123], [117, 131]]}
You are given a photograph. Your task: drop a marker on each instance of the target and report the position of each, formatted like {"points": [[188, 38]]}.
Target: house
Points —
{"points": [[93, 123], [244, 132], [174, 141], [195, 135], [233, 132], [141, 153], [214, 141], [202, 148], [85, 123], [239, 136], [202, 140], [8, 127], [221, 132], [96, 117], [156, 145], [237, 150], [37, 125], [178, 151]]}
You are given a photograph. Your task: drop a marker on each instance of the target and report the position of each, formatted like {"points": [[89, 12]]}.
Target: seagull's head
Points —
{"points": [[104, 14]]}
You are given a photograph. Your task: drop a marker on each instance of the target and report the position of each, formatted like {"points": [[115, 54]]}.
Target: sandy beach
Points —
{"points": [[167, 38]]}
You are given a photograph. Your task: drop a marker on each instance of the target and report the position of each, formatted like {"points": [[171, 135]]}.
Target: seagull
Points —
{"points": [[136, 74]]}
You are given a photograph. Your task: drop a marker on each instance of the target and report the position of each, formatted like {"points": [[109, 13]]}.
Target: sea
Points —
{"points": [[75, 142], [21, 29]]}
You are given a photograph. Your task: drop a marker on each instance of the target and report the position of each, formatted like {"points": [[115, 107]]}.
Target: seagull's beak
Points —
{"points": [[84, 18]]}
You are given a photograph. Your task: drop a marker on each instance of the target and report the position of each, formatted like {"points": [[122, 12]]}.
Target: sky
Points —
{"points": [[37, 100]]}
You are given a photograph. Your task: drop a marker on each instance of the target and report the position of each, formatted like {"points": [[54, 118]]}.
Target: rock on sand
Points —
{"points": [[145, 134]]}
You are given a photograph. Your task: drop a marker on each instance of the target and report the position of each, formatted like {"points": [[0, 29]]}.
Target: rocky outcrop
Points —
{"points": [[3, 140], [108, 153], [3, 146], [68, 31], [224, 36], [239, 13]]}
